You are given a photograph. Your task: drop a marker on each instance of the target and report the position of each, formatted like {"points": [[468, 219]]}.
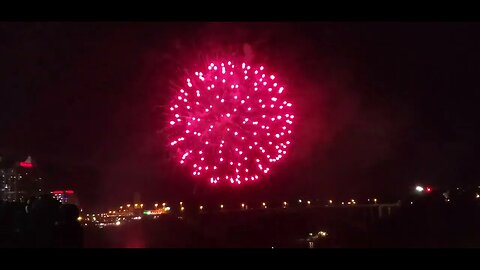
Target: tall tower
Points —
{"points": [[21, 181]]}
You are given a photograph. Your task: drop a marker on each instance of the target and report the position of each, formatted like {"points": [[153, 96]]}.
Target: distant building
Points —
{"points": [[65, 196], [19, 181]]}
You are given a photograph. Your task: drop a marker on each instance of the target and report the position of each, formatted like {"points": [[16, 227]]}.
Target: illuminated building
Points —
{"points": [[65, 196], [156, 211], [19, 181]]}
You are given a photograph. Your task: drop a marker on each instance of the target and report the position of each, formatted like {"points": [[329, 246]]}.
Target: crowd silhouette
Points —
{"points": [[41, 222]]}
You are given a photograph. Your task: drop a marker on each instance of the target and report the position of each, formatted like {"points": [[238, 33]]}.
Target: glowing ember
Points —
{"points": [[231, 123]]}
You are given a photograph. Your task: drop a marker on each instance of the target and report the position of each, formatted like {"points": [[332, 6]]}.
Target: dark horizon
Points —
{"points": [[381, 106]]}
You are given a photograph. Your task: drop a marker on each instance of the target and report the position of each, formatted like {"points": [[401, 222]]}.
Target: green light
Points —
{"points": [[147, 212]]}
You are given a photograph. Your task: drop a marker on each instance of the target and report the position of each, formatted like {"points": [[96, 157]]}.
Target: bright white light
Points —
{"points": [[419, 188]]}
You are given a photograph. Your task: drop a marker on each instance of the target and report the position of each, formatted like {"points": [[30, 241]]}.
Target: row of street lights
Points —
{"points": [[243, 206], [222, 206]]}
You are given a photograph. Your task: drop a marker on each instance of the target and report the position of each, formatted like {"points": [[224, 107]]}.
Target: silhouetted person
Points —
{"points": [[69, 232], [25, 225], [6, 224], [44, 214], [20, 226]]}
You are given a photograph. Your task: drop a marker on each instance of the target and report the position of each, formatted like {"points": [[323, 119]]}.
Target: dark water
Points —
{"points": [[255, 230], [422, 225]]}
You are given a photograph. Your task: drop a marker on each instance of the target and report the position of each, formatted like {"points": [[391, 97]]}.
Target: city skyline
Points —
{"points": [[385, 106]]}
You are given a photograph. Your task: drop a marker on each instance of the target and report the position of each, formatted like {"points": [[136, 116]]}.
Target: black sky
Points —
{"points": [[382, 106]]}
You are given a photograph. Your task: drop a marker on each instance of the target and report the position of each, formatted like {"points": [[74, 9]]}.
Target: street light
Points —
{"points": [[308, 202], [156, 205], [221, 206], [330, 201]]}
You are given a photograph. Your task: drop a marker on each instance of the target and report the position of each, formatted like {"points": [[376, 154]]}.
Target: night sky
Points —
{"points": [[380, 106]]}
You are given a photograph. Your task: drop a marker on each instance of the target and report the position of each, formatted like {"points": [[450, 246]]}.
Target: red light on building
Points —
{"points": [[24, 164], [429, 189], [65, 196]]}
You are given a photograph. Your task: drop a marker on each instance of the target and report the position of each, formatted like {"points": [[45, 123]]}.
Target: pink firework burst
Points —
{"points": [[230, 122]]}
